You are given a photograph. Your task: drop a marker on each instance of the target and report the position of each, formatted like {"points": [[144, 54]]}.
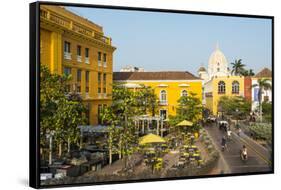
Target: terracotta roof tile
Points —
{"points": [[264, 73], [163, 75]]}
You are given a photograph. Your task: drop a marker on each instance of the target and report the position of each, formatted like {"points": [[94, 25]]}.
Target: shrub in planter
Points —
{"points": [[261, 131]]}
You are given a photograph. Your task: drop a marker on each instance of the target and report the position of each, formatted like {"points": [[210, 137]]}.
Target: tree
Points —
{"points": [[60, 113], [267, 111], [237, 67], [111, 119], [249, 72], [189, 108], [236, 106], [121, 114], [69, 114], [146, 100], [262, 84]]}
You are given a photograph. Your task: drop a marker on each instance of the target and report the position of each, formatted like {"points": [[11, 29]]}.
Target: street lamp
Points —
{"points": [[49, 136], [237, 114]]}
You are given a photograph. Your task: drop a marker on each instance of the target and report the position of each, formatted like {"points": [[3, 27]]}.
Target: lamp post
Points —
{"points": [[237, 114], [50, 137]]}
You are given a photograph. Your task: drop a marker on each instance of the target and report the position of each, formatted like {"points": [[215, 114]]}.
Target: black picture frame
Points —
{"points": [[34, 93]]}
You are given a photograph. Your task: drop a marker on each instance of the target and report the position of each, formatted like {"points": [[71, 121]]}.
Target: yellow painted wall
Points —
{"points": [[173, 92], [212, 102], [57, 26]]}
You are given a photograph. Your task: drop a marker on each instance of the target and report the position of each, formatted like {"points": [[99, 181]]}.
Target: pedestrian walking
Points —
{"points": [[229, 134], [239, 131], [223, 143]]}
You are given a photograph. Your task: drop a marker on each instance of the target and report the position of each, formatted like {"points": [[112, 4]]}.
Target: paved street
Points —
{"points": [[230, 162]]}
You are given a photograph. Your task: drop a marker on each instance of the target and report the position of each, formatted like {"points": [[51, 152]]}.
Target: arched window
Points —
{"points": [[221, 87], [235, 87], [163, 96], [184, 93]]}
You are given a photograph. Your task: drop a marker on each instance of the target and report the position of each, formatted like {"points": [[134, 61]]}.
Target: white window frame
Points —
{"points": [[163, 102], [183, 92], [235, 87]]}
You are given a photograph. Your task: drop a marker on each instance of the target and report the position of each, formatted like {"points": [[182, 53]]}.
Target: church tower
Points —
{"points": [[203, 74], [218, 65]]}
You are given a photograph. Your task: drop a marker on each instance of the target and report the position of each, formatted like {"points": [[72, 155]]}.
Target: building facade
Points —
{"points": [[219, 82], [72, 45], [222, 86], [169, 86], [266, 93]]}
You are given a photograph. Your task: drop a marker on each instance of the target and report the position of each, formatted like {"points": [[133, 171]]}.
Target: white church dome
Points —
{"points": [[217, 64]]}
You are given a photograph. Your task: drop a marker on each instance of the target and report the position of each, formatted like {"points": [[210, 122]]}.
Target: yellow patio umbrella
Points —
{"points": [[151, 138], [185, 123]]}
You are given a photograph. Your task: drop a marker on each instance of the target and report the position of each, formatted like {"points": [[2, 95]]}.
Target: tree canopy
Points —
{"points": [[189, 108], [60, 113], [234, 105], [237, 67]]}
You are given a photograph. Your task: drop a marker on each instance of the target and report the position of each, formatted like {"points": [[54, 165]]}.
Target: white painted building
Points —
{"points": [[131, 68], [267, 93], [217, 66]]}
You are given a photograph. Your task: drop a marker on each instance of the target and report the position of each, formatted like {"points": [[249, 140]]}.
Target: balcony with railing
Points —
{"points": [[104, 64], [163, 102], [67, 55], [72, 25], [79, 58], [87, 60]]}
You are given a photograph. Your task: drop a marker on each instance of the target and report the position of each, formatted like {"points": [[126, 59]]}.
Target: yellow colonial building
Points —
{"points": [[222, 86], [218, 81], [72, 45], [169, 86]]}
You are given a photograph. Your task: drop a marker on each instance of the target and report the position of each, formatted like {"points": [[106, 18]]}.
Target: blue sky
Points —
{"points": [[183, 42]]}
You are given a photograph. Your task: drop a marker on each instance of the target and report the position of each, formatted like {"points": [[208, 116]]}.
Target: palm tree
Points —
{"points": [[237, 67], [249, 72], [263, 84]]}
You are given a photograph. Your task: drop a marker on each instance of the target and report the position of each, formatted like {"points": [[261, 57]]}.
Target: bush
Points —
{"points": [[261, 131]]}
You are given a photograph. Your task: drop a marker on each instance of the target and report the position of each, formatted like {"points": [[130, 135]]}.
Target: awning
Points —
{"points": [[95, 128], [185, 123], [151, 138]]}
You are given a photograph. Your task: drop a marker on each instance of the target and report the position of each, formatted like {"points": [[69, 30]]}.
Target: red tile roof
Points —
{"points": [[163, 75], [265, 73]]}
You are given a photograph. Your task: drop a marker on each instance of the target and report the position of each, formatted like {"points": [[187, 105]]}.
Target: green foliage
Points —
{"points": [[262, 131], [190, 109], [126, 104], [59, 112], [263, 84], [249, 72], [121, 114], [267, 111], [146, 100], [231, 104], [237, 67]]}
